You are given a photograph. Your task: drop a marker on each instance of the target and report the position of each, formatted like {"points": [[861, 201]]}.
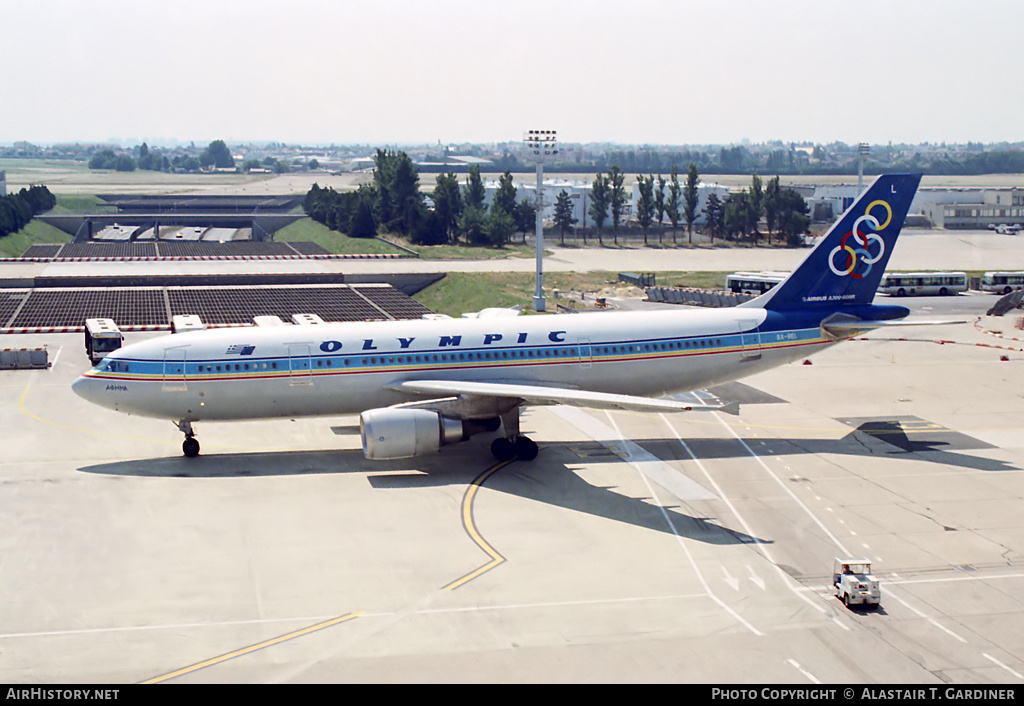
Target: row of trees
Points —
{"points": [[108, 159], [393, 203], [16, 210], [784, 210], [216, 155], [273, 164], [679, 203], [608, 197], [785, 159]]}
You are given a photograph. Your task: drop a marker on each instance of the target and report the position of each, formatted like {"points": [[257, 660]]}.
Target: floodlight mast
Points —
{"points": [[862, 149], [541, 145]]}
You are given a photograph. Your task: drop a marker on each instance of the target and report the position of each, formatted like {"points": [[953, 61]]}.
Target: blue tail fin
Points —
{"points": [[847, 264]]}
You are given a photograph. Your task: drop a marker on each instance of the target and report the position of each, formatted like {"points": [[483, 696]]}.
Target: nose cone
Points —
{"points": [[81, 386], [88, 389]]}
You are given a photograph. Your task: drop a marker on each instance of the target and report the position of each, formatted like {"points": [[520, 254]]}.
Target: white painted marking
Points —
{"points": [[689, 556], [905, 582], [782, 485], [997, 662], [321, 618], [665, 475], [930, 620], [730, 579], [764, 549], [804, 671], [758, 581]]}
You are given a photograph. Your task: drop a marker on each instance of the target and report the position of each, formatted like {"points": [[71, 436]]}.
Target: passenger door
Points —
{"points": [[586, 353], [300, 369], [173, 379], [750, 337]]}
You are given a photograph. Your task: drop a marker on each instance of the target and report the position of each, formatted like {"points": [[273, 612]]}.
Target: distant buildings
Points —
{"points": [[977, 208], [935, 206]]}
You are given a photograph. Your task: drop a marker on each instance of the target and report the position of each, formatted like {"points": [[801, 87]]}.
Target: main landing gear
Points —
{"points": [[513, 445], [190, 446]]}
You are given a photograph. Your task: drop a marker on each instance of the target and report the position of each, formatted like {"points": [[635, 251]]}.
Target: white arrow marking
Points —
{"points": [[758, 581], [730, 579]]}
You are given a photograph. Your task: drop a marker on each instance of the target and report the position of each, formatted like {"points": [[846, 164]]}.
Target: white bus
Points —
{"points": [[180, 323], [1002, 282], [102, 336], [753, 282], [902, 284]]}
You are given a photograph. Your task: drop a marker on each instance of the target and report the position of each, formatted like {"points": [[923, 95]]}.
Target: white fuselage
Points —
{"points": [[343, 368]]}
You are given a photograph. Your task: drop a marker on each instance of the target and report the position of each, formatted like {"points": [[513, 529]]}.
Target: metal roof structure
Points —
{"points": [[84, 225], [208, 203], [264, 214], [171, 249], [144, 308]]}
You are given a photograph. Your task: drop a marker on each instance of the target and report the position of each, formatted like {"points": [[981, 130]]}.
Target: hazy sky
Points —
{"points": [[404, 71]]}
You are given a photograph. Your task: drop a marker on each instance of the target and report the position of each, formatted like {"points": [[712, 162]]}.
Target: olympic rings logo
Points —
{"points": [[859, 250]]}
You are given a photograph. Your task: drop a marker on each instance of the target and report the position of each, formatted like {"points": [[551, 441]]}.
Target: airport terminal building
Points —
{"points": [[942, 207]]}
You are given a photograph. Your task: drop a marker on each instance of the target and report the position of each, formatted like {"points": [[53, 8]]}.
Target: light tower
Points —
{"points": [[862, 149], [541, 145]]}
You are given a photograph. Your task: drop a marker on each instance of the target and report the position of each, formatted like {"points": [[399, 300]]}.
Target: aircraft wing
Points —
{"points": [[533, 393]]}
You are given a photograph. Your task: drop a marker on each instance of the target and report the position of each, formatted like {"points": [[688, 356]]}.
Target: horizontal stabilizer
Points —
{"points": [[846, 328], [532, 393]]}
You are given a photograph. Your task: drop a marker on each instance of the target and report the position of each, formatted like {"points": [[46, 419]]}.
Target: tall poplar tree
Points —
{"points": [[645, 205], [600, 198], [690, 199], [617, 197], [672, 204]]}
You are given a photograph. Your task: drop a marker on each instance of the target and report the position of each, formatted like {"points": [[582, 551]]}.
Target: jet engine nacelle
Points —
{"points": [[402, 433]]}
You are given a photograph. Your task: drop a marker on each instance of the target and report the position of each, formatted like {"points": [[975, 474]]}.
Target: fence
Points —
{"points": [[695, 297], [24, 359]]}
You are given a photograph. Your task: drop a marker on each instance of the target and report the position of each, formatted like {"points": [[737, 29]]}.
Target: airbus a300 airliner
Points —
{"points": [[422, 384]]}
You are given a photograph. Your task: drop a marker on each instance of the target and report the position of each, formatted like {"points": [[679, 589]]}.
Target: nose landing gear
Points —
{"points": [[190, 447]]}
